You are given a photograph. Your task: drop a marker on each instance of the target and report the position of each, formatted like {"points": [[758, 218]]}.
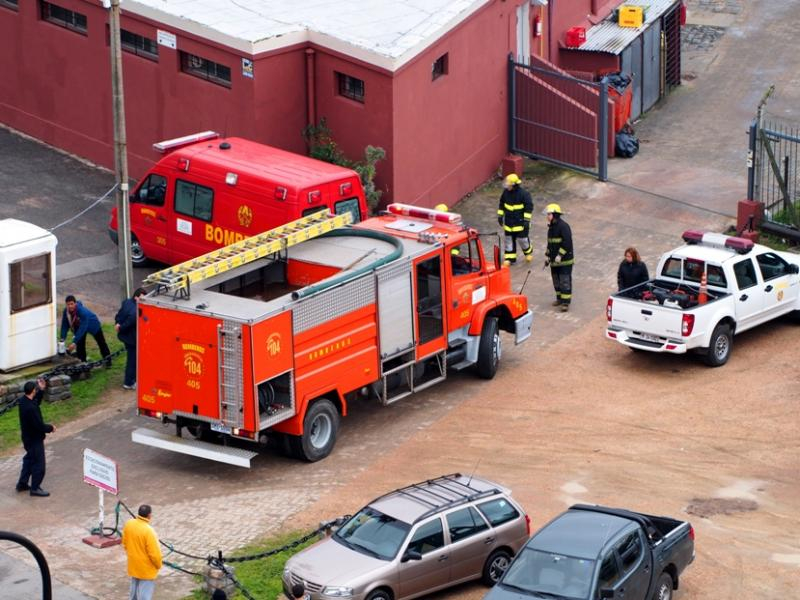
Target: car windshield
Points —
{"points": [[550, 575], [373, 533]]}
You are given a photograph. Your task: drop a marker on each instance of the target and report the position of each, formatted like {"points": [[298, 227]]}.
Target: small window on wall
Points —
{"points": [[12, 4], [205, 69], [139, 45], [52, 13], [440, 67], [350, 87], [30, 282]]}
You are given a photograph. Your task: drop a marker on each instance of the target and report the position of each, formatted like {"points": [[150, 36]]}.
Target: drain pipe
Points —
{"points": [[311, 90]]}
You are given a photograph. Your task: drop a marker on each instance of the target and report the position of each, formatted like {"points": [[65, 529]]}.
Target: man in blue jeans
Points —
{"points": [[126, 320]]}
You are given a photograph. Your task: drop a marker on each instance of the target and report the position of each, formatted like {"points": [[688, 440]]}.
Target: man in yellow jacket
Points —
{"points": [[144, 554]]}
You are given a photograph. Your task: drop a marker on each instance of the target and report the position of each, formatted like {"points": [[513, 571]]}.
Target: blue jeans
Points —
{"points": [[142, 589], [130, 364]]}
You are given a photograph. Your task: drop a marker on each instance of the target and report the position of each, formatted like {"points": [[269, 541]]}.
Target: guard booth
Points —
{"points": [[28, 317]]}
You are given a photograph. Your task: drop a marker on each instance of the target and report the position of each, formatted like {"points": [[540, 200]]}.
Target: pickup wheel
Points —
{"points": [[320, 427], [663, 589], [720, 346], [495, 566], [489, 349]]}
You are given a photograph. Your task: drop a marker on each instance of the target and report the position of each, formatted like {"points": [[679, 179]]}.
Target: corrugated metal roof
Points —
{"points": [[613, 39]]}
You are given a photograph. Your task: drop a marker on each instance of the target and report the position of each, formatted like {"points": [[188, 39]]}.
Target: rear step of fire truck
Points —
{"points": [[178, 279]]}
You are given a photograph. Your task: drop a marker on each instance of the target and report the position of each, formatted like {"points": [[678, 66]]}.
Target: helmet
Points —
{"points": [[553, 208], [440, 207], [512, 179]]}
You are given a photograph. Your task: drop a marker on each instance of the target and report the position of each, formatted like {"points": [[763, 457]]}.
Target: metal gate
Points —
{"points": [[773, 175], [558, 119]]}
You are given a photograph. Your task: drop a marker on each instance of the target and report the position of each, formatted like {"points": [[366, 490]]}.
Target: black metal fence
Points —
{"points": [[773, 170]]}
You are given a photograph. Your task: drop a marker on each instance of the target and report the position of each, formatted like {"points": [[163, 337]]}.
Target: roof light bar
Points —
{"points": [[693, 236], [169, 145], [718, 240], [417, 212]]}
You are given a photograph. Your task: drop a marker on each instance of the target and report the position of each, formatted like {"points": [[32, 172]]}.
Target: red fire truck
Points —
{"points": [[275, 335], [208, 192]]}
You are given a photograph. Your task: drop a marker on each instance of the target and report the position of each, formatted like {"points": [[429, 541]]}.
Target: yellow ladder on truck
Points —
{"points": [[178, 278]]}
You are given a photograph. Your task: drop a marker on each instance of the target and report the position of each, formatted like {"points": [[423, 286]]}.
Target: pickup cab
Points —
{"points": [[747, 285], [593, 552]]}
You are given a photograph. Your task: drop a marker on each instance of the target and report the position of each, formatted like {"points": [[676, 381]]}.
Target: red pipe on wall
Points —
{"points": [[311, 92]]}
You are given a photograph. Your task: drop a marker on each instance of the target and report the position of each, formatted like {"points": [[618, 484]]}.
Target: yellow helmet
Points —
{"points": [[512, 179], [553, 208], [440, 207]]}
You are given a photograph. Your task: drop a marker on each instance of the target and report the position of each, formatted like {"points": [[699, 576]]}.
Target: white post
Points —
{"points": [[102, 516]]}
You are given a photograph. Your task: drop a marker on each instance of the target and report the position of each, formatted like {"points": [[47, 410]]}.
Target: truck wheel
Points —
{"points": [[663, 589], [320, 426], [720, 346], [495, 566], [489, 349], [138, 257]]}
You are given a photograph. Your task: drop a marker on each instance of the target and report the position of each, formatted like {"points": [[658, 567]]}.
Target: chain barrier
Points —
{"points": [[70, 370]]}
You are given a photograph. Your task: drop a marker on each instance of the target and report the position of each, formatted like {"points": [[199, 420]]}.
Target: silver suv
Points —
{"points": [[414, 541]]}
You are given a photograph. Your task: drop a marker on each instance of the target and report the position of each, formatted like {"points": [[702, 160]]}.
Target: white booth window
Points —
{"points": [[30, 282]]}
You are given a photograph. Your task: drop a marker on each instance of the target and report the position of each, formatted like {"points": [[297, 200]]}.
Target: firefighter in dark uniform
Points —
{"points": [[559, 255], [514, 216]]}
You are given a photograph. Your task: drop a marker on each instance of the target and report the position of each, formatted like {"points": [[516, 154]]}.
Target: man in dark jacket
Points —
{"points": [[559, 255], [33, 430], [126, 320], [514, 216], [81, 321]]}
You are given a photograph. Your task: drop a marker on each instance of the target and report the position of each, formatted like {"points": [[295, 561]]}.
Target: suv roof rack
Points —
{"points": [[436, 490]]}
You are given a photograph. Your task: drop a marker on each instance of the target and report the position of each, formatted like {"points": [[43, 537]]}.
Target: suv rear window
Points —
{"points": [[498, 511]]}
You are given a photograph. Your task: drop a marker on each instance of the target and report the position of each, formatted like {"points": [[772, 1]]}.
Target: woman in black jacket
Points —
{"points": [[632, 271]]}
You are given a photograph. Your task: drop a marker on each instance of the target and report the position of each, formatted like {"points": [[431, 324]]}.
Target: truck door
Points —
{"points": [[430, 314], [149, 219], [749, 300], [194, 210], [780, 287], [635, 566], [468, 286]]}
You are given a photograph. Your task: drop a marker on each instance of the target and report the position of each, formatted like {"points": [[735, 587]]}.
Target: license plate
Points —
{"points": [[650, 338], [220, 428]]}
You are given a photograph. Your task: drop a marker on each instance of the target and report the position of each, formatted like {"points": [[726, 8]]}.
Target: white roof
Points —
{"points": [[13, 232], [387, 33]]}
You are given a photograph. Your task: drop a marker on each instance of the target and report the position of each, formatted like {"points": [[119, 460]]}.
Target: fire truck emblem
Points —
{"points": [[274, 344], [193, 363], [780, 295], [245, 214]]}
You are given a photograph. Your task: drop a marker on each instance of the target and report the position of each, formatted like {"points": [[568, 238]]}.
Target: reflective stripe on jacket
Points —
{"points": [[141, 545], [559, 243], [515, 209]]}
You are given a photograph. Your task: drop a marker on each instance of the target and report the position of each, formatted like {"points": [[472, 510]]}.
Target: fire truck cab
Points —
{"points": [[274, 337]]}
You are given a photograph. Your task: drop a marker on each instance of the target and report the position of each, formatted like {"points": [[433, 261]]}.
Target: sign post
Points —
{"points": [[103, 473]]}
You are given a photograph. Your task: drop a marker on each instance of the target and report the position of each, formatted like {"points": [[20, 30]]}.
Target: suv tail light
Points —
{"points": [[528, 526], [687, 324], [608, 309], [691, 533]]}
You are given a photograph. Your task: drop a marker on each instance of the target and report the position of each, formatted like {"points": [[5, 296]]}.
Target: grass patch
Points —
{"points": [[85, 393], [262, 578]]}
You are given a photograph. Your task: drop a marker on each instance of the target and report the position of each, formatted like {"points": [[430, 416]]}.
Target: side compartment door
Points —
{"points": [[429, 298], [433, 570], [189, 232], [468, 285], [148, 214]]}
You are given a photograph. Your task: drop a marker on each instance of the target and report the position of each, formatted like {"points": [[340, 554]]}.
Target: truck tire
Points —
{"points": [[138, 257], [489, 349], [663, 589], [320, 426], [720, 346], [495, 566]]}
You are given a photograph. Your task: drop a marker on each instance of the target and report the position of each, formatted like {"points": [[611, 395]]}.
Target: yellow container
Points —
{"points": [[631, 16]]}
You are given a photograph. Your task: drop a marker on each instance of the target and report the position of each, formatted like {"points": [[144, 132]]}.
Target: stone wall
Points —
{"points": [[58, 388]]}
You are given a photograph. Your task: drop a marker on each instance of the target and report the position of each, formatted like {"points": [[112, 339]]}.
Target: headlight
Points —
{"points": [[337, 591]]}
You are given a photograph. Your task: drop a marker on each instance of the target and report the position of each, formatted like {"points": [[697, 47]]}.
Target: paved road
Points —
{"points": [[20, 580], [547, 391]]}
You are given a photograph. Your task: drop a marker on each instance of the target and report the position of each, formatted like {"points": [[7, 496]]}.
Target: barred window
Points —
{"points": [[205, 69], [58, 15], [139, 45], [440, 67], [351, 87]]}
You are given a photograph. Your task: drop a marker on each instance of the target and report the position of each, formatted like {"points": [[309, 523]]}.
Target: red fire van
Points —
{"points": [[207, 192]]}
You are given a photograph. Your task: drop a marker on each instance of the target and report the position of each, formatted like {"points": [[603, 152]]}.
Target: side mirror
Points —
{"points": [[411, 555], [794, 269], [497, 262], [606, 593]]}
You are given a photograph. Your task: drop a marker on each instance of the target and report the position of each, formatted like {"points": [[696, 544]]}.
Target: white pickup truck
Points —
{"points": [[748, 284]]}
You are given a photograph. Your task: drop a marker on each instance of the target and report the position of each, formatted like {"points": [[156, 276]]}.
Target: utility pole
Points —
{"points": [[120, 154]]}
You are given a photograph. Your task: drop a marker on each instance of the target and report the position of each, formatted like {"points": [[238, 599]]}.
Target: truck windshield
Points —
{"points": [[544, 573], [373, 533]]}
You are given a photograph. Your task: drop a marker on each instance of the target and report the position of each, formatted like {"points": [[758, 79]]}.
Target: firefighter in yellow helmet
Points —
{"points": [[514, 216], [560, 257], [440, 207]]}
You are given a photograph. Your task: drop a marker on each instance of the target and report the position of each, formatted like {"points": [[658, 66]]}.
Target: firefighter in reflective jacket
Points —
{"points": [[559, 255], [514, 216]]}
